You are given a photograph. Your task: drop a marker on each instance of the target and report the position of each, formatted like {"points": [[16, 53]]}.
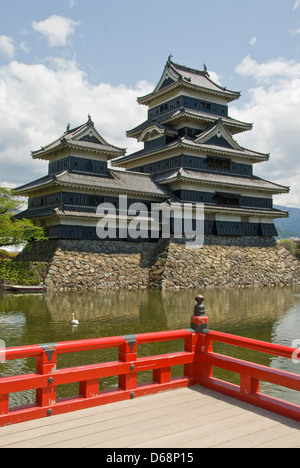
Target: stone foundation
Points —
{"points": [[229, 266], [222, 262]]}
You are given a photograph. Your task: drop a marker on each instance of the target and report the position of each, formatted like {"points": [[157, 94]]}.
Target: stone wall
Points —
{"points": [[94, 265], [228, 265], [222, 262]]}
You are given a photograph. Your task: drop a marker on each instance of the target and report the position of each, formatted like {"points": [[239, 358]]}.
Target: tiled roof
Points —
{"points": [[175, 75], [84, 137], [83, 212], [243, 211], [234, 125], [189, 144], [35, 213], [197, 78], [118, 182], [209, 178], [36, 184]]}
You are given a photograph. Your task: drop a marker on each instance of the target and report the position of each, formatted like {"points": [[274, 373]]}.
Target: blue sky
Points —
{"points": [[120, 41], [60, 60]]}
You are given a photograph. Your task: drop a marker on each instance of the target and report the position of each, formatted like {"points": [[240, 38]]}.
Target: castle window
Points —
{"points": [[227, 199], [218, 163], [95, 200], [89, 166]]}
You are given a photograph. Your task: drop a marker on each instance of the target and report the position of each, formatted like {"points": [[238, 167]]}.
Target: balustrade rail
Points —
{"points": [[197, 358]]}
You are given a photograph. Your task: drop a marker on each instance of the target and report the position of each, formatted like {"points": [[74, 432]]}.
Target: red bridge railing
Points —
{"points": [[197, 358]]}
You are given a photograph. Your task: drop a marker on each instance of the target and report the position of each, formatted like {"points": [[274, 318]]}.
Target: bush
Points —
{"points": [[22, 273]]}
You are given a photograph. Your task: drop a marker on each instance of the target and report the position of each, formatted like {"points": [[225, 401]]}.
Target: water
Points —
{"points": [[268, 314]]}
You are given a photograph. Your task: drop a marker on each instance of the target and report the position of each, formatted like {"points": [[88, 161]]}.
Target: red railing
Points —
{"points": [[250, 374], [47, 377], [197, 358]]}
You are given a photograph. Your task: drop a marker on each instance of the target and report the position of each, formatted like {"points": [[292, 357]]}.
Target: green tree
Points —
{"points": [[15, 231], [290, 245]]}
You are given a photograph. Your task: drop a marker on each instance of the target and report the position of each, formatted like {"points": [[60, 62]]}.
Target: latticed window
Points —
{"points": [[89, 166]]}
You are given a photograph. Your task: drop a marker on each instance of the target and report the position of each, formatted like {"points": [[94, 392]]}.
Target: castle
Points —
{"points": [[190, 156]]}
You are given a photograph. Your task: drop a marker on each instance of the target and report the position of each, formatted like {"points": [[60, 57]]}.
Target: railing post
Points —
{"points": [[249, 385], [89, 388], [46, 364], [4, 404], [199, 324], [162, 376], [190, 346], [128, 353]]}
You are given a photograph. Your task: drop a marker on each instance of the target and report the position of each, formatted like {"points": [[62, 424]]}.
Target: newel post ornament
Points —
{"points": [[199, 322]]}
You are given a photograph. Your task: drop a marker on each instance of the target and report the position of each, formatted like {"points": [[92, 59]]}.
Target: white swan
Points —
{"points": [[74, 322]]}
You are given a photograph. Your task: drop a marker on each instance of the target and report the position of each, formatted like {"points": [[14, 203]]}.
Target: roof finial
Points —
{"points": [[205, 67], [90, 122], [170, 57], [68, 127]]}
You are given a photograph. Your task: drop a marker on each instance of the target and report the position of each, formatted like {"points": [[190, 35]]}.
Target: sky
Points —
{"points": [[61, 60]]}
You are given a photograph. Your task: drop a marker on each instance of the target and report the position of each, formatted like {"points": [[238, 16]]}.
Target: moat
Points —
{"points": [[268, 314]]}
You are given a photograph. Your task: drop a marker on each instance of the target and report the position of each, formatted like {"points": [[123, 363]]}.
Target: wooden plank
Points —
{"points": [[188, 417], [112, 415], [265, 437], [95, 428]]}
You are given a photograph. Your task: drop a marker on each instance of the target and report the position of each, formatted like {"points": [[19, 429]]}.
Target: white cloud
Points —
{"points": [[273, 106], [8, 185], [280, 68], [57, 29], [294, 32], [2, 92], [40, 101], [253, 41], [24, 47], [215, 77], [7, 46], [296, 4], [37, 101]]}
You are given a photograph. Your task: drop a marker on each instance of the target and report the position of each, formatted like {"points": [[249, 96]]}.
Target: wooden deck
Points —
{"points": [[186, 418]]}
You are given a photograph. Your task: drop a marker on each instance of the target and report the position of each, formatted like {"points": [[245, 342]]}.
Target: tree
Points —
{"points": [[290, 245], [15, 231]]}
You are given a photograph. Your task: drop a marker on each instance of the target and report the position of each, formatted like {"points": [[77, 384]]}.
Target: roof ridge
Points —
{"points": [[189, 69], [122, 171]]}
